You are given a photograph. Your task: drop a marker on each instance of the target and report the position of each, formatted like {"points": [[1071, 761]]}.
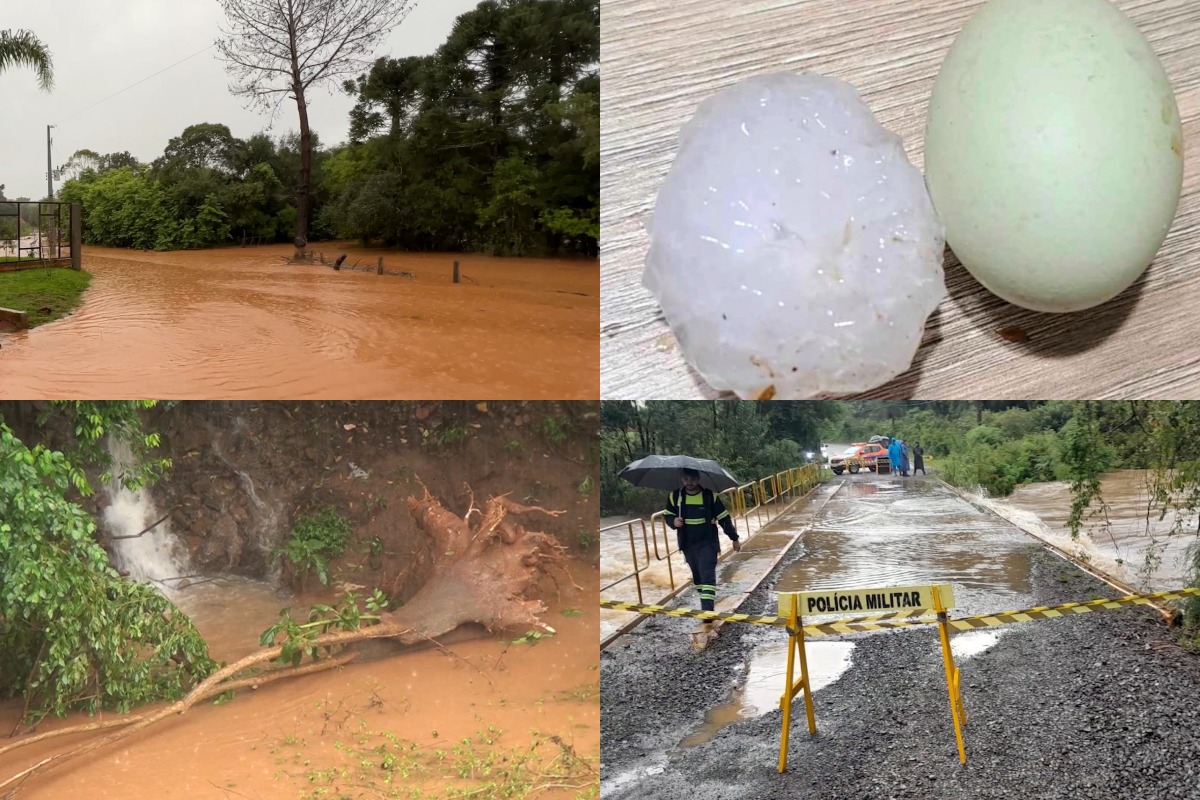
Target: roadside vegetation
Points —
{"points": [[45, 294], [751, 439]]}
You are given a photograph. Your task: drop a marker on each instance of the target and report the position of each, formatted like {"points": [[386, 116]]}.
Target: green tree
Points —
{"points": [[491, 143], [276, 50], [73, 633], [22, 48]]}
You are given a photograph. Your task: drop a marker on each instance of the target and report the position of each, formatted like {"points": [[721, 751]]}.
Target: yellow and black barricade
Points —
{"points": [[888, 603], [886, 609]]}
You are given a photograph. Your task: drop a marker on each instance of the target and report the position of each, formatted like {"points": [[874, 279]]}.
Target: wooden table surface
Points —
{"points": [[660, 58]]}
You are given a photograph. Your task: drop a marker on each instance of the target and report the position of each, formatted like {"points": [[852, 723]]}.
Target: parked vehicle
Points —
{"points": [[858, 456]]}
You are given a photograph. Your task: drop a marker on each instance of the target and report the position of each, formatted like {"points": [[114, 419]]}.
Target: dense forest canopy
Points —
{"points": [[489, 144]]}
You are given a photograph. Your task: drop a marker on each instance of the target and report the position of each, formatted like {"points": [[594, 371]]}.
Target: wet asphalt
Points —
{"points": [[1101, 705]]}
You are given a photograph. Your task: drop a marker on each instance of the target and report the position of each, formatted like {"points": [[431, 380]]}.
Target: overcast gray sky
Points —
{"points": [[102, 46]]}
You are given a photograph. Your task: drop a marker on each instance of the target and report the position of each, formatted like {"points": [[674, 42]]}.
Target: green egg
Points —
{"points": [[1054, 151]]}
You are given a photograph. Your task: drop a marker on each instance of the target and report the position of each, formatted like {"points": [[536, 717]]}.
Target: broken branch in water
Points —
{"points": [[148, 528], [215, 684]]}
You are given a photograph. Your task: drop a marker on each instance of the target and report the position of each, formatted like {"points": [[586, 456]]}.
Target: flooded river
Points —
{"points": [[487, 704], [1138, 549], [242, 323]]}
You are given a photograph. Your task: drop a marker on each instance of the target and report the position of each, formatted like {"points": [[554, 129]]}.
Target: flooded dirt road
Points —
{"points": [[242, 323], [352, 732], [683, 724]]}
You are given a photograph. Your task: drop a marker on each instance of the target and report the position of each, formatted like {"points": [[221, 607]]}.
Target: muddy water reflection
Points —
{"points": [[240, 322], [269, 744], [766, 676], [1138, 550], [881, 532]]}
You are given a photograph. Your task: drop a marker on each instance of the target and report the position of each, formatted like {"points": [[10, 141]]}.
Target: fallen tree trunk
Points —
{"points": [[252, 682], [211, 686], [482, 574]]}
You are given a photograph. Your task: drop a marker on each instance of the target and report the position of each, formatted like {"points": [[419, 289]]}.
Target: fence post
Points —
{"points": [[76, 236], [380, 270], [456, 272]]}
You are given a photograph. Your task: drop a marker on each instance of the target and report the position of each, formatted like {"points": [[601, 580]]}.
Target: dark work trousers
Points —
{"points": [[702, 558]]}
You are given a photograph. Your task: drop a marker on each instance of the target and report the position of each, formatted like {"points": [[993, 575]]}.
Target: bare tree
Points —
{"points": [[276, 49]]}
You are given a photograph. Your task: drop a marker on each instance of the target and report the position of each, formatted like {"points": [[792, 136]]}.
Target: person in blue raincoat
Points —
{"points": [[894, 454]]}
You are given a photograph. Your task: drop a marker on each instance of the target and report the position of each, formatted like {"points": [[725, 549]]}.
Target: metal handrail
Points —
{"points": [[766, 492]]}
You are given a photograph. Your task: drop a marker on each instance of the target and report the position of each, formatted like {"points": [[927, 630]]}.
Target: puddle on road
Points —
{"points": [[827, 661], [972, 643], [765, 680], [754, 561], [896, 533], [767, 541]]}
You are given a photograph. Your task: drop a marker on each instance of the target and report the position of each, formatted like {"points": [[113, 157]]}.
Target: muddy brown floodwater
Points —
{"points": [[242, 323], [1139, 549], [286, 740]]}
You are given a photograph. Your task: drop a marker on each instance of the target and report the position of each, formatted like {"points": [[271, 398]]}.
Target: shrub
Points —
{"points": [[315, 539]]}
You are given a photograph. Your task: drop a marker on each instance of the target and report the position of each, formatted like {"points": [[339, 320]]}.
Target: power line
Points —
{"points": [[143, 80]]}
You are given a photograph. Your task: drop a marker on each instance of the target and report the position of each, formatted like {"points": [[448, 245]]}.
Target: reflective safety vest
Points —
{"points": [[701, 512]]}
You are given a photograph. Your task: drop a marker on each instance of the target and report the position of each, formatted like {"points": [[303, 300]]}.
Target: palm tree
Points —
{"points": [[22, 47]]}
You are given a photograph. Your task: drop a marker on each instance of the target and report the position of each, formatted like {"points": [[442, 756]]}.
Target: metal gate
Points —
{"points": [[40, 233]]}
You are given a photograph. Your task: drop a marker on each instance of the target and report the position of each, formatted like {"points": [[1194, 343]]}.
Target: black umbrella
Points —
{"points": [[666, 473]]}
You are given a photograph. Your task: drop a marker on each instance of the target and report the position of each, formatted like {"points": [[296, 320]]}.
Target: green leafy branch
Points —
{"points": [[300, 639]]}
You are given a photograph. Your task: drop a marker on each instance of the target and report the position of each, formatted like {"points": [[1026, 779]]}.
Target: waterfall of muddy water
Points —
{"points": [[242, 323], [153, 557], [276, 743], [267, 514], [1137, 551], [879, 531]]}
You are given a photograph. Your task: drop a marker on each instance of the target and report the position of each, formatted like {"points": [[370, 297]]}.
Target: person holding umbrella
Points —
{"points": [[693, 510], [695, 513]]}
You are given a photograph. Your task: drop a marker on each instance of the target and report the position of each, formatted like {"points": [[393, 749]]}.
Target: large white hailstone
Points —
{"points": [[793, 248]]}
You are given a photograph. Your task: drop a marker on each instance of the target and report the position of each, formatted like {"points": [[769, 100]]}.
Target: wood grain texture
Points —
{"points": [[661, 58]]}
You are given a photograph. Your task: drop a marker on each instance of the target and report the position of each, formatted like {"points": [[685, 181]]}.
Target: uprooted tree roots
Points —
{"points": [[484, 573]]}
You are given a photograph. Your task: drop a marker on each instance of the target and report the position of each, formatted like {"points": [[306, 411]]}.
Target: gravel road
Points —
{"points": [[1100, 706]]}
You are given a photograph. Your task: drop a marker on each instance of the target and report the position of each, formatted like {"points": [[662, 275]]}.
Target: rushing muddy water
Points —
{"points": [[1137, 548], [289, 739], [242, 323]]}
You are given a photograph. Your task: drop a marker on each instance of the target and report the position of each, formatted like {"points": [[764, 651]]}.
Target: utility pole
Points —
{"points": [[49, 169]]}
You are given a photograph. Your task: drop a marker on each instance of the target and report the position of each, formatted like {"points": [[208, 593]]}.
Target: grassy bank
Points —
{"points": [[46, 294]]}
